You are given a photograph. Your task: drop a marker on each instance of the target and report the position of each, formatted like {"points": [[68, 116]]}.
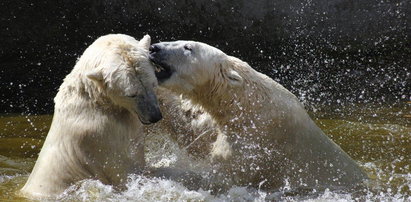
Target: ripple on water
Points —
{"points": [[382, 148]]}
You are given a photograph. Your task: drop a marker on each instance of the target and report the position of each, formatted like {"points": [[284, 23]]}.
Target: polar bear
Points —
{"points": [[187, 124], [96, 130], [272, 140]]}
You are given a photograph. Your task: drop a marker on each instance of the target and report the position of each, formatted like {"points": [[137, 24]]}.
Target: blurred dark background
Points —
{"points": [[327, 52]]}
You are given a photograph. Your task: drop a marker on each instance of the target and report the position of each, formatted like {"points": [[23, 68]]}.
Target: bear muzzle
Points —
{"points": [[147, 109], [163, 70]]}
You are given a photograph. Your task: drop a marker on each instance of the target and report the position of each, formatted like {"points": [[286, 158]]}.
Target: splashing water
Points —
{"points": [[381, 146]]}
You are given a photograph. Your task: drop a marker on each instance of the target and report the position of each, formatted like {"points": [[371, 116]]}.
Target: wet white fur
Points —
{"points": [[95, 132], [189, 125], [268, 137]]}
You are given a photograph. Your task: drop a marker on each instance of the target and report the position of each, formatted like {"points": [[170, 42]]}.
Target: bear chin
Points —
{"points": [[163, 70], [163, 74]]}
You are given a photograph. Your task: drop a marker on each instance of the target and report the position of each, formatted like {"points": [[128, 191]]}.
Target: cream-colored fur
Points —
{"points": [[96, 132], [189, 125], [271, 139]]}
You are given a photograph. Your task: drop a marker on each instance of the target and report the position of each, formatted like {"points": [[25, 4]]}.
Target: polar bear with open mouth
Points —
{"points": [[272, 140]]}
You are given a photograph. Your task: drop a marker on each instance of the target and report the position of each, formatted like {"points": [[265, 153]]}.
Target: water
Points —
{"points": [[378, 137]]}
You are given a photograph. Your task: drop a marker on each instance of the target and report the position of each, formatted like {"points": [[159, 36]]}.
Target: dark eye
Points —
{"points": [[131, 96], [188, 47]]}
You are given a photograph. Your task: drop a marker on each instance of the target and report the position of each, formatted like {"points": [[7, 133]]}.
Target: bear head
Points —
{"points": [[120, 68], [184, 65]]}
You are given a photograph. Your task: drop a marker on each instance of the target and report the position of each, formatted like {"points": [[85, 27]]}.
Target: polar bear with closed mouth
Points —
{"points": [[271, 138], [97, 132]]}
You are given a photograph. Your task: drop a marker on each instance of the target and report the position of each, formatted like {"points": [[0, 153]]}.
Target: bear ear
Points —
{"points": [[228, 70], [96, 76], [234, 77], [145, 42]]}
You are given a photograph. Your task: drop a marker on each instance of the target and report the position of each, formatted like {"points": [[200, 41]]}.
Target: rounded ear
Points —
{"points": [[96, 76], [234, 77], [228, 69], [145, 42]]}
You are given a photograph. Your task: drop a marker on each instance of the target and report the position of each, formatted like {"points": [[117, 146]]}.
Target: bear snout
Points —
{"points": [[158, 57], [154, 53], [154, 48], [155, 118]]}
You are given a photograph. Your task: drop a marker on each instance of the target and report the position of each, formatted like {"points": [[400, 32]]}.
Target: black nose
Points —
{"points": [[156, 118], [154, 48]]}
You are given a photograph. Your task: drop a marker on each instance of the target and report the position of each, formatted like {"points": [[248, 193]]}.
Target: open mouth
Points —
{"points": [[162, 71]]}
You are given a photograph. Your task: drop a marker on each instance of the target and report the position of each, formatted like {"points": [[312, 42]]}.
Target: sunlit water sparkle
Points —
{"points": [[381, 143]]}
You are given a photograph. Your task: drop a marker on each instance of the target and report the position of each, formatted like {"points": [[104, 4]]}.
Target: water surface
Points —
{"points": [[377, 137]]}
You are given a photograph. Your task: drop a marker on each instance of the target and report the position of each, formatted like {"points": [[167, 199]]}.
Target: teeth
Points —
{"points": [[158, 68]]}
